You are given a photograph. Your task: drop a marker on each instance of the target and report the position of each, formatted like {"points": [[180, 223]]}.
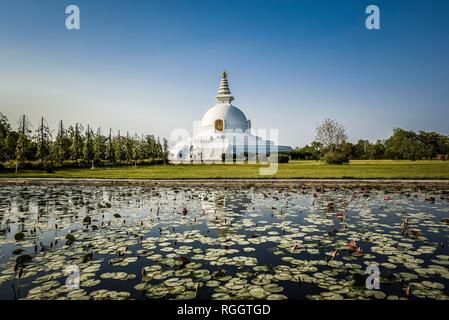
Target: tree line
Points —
{"points": [[331, 144], [75, 145], [80, 146]]}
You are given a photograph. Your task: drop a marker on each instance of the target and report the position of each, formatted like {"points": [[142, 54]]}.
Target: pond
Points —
{"points": [[86, 242]]}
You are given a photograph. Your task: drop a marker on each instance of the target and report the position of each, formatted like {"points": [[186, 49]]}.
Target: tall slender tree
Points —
{"points": [[61, 145], [109, 151], [5, 127], [5, 135], [135, 149], [118, 148], [23, 141], [24, 125], [10, 145], [99, 147], [21, 149], [128, 147], [166, 150], [43, 140], [76, 139], [88, 150], [159, 149]]}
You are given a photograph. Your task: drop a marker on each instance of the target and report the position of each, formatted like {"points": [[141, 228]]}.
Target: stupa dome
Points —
{"points": [[232, 117]]}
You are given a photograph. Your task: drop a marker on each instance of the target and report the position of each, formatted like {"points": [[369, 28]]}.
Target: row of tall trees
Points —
{"points": [[75, 144], [332, 145]]}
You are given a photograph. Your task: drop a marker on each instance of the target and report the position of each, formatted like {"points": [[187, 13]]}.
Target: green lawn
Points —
{"points": [[359, 169]]}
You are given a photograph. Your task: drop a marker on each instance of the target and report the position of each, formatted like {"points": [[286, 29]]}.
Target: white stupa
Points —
{"points": [[224, 134]]}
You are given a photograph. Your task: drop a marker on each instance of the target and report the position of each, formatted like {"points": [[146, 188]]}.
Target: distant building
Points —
{"points": [[224, 133]]}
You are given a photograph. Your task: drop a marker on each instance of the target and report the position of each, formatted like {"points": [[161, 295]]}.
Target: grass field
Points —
{"points": [[357, 169]]}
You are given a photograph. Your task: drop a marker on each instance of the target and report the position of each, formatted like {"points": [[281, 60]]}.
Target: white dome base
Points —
{"points": [[224, 147]]}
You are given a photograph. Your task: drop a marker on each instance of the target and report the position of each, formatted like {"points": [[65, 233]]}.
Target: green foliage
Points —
{"points": [[377, 151], [402, 145], [443, 146], [338, 157], [128, 148], [74, 148], [159, 149], [283, 158], [88, 147], [135, 150], [166, 150], [430, 143], [407, 145], [43, 141], [22, 147], [118, 149], [8, 146], [109, 153], [311, 152], [5, 127], [99, 146], [362, 150], [8, 140], [61, 147], [76, 140]]}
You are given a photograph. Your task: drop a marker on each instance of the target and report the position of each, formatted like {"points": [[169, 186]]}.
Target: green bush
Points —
{"points": [[283, 158], [70, 164], [336, 158], [49, 169], [49, 166]]}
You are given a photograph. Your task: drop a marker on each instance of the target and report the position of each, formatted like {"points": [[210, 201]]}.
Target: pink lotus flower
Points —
{"points": [[352, 245]]}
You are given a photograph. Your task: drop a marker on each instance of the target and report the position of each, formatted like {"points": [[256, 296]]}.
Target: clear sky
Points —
{"points": [[153, 66]]}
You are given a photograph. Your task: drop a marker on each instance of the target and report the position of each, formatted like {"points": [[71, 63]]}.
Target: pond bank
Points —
{"points": [[275, 183]]}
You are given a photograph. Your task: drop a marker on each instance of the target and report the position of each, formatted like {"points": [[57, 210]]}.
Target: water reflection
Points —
{"points": [[220, 243]]}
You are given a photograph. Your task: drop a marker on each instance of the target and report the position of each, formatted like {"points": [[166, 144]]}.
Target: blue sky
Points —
{"points": [[153, 66]]}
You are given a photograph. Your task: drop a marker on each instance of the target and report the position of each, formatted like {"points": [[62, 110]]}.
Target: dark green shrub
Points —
{"points": [[283, 158], [336, 158]]}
